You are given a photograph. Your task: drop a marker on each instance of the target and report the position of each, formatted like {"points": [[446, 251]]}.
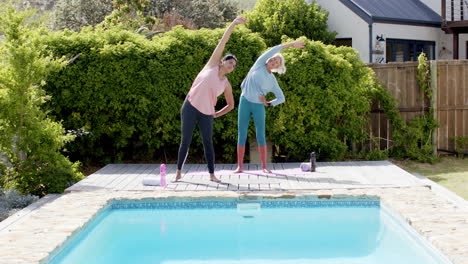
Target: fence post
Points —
{"points": [[434, 84]]}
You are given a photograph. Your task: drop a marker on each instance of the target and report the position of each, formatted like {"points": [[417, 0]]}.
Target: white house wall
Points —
{"points": [[444, 49], [407, 32], [348, 25], [462, 46]]}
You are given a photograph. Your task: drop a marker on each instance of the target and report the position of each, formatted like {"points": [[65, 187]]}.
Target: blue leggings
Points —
{"points": [[246, 109]]}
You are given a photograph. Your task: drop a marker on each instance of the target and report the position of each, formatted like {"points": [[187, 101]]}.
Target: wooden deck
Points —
{"points": [[284, 176]]}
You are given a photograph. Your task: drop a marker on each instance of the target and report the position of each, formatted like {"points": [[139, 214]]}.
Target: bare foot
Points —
{"points": [[214, 179], [265, 170], [178, 176], [238, 170], [177, 179]]}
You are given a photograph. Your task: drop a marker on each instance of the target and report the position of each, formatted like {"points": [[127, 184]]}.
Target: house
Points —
{"points": [[455, 22], [398, 30]]}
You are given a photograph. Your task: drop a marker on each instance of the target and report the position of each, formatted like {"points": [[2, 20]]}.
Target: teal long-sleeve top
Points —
{"points": [[260, 82]]}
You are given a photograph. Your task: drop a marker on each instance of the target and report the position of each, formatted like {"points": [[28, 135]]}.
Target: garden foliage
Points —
{"points": [[75, 14], [414, 139], [201, 13], [119, 93], [292, 18], [154, 14], [11, 202], [30, 142]]}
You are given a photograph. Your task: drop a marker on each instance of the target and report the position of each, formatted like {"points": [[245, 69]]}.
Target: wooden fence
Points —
{"points": [[450, 102]]}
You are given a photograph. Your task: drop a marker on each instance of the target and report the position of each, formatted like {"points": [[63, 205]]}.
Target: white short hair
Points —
{"points": [[282, 67]]}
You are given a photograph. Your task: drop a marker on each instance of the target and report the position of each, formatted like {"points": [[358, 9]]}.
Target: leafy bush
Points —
{"points": [[30, 142], [293, 18], [375, 154], [11, 201], [4, 212], [461, 145], [15, 200]]}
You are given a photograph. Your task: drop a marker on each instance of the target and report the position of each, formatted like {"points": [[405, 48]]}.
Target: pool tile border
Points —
{"points": [[173, 205]]}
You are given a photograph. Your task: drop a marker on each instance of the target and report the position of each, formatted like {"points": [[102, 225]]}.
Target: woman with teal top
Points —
{"points": [[259, 82]]}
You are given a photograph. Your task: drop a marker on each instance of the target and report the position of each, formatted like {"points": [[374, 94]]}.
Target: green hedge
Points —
{"points": [[127, 92]]}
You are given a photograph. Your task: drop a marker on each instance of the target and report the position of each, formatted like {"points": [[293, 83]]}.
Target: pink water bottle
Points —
{"points": [[162, 172]]}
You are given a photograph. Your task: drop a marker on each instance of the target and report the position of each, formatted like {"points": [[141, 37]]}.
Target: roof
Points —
{"points": [[410, 12]]}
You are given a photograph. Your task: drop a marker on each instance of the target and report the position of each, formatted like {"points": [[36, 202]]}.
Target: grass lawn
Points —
{"points": [[450, 172]]}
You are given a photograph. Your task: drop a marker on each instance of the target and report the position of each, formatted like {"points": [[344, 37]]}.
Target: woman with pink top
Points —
{"points": [[199, 106]]}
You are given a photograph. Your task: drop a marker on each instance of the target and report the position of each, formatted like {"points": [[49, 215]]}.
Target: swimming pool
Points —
{"points": [[228, 232]]}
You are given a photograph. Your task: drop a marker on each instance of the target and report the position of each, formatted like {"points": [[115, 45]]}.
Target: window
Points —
{"points": [[343, 42], [408, 50]]}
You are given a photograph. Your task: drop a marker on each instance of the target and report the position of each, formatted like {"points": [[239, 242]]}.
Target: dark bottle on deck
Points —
{"points": [[312, 162]]}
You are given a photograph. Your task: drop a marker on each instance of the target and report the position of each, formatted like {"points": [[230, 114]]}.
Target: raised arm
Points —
{"points": [[267, 54], [218, 52], [294, 44]]}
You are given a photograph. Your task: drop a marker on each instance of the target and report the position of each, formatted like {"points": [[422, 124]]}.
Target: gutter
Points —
{"points": [[370, 41]]}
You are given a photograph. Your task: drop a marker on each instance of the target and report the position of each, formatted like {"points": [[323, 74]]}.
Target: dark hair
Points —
{"points": [[230, 56]]}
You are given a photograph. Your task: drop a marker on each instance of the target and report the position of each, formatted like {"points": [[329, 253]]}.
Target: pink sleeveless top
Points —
{"points": [[205, 90]]}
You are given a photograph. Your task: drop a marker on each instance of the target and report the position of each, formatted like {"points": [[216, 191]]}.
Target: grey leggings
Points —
{"points": [[189, 116]]}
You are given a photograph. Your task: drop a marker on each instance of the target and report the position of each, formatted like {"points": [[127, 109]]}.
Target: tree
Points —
{"points": [[211, 13], [30, 142], [128, 14], [201, 13], [244, 5], [293, 18], [75, 14], [164, 14]]}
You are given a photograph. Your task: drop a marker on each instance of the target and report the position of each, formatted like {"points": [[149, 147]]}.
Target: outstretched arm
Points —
{"points": [[294, 44], [267, 54], [218, 52]]}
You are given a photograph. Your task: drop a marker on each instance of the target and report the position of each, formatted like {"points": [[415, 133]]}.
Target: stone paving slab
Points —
{"points": [[32, 238]]}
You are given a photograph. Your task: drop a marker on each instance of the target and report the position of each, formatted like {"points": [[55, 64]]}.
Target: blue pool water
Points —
{"points": [[248, 234]]}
